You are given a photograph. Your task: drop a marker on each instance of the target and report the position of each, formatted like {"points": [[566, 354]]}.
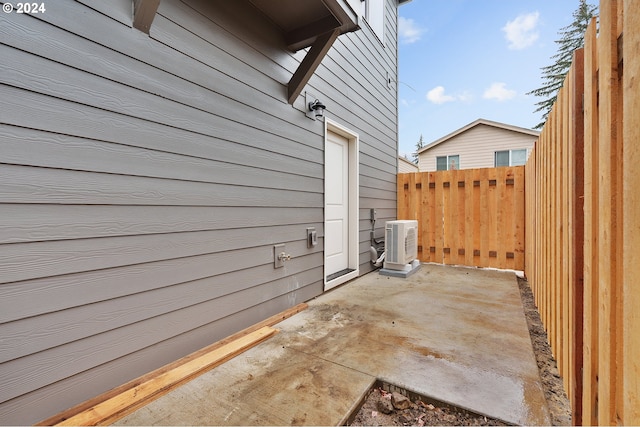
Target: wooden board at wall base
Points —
{"points": [[112, 409], [86, 405]]}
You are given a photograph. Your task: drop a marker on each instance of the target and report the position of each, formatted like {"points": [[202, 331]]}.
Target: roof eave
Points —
{"points": [[474, 124]]}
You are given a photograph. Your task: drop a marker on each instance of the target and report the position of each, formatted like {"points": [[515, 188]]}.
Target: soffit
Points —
{"points": [[303, 21]]}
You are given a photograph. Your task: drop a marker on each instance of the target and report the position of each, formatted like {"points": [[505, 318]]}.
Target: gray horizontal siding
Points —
{"points": [[58, 116], [23, 223], [68, 152], [144, 180], [119, 10], [152, 73], [23, 261], [20, 184], [41, 185], [71, 324], [376, 183], [29, 373], [46, 401]]}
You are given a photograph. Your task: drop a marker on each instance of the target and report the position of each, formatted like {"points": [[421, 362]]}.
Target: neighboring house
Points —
{"points": [[481, 144], [151, 163], [406, 166]]}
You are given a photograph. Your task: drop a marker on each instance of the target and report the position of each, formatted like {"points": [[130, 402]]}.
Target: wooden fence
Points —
{"points": [[471, 217], [583, 222]]}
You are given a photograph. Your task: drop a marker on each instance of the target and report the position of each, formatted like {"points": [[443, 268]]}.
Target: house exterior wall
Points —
{"points": [[476, 147], [146, 178], [405, 166]]}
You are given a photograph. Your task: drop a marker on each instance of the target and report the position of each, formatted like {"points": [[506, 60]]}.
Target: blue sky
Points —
{"points": [[461, 60]]}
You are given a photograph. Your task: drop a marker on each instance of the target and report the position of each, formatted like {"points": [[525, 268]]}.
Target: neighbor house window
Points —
{"points": [[511, 157], [374, 15], [448, 163]]}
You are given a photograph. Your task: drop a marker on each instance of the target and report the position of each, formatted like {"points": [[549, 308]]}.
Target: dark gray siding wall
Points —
{"points": [[358, 81], [144, 180]]}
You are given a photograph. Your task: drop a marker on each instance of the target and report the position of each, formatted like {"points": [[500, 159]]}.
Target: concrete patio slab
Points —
{"points": [[455, 334]]}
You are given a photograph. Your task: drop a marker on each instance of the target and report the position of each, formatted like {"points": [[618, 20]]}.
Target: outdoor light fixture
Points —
{"points": [[317, 108]]}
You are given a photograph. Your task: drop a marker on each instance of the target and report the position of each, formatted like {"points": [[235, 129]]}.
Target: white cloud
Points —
{"points": [[521, 32], [499, 92], [437, 96], [408, 30]]}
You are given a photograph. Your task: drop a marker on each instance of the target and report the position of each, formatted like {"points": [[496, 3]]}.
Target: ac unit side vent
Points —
{"points": [[411, 243]]}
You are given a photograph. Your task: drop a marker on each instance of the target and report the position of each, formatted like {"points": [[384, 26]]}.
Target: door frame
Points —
{"points": [[354, 200]]}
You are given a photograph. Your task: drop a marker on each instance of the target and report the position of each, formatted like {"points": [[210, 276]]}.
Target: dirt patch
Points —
{"points": [[378, 409], [557, 400], [384, 407]]}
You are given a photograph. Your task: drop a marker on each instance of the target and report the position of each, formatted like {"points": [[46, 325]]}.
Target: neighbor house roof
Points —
{"points": [[406, 165], [406, 160], [477, 123]]}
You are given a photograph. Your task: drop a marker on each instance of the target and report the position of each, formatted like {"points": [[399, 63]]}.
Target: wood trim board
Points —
{"points": [[110, 410], [106, 408]]}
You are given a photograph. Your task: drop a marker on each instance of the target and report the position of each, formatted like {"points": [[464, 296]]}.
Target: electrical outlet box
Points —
{"points": [[312, 237], [374, 214]]}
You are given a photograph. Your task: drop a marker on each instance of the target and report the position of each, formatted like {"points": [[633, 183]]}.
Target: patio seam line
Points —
{"points": [[331, 361]]}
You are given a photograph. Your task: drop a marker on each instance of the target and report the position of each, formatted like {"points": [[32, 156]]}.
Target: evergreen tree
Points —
{"points": [[419, 145], [571, 38]]}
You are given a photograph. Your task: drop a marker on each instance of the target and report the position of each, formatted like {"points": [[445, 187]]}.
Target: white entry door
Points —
{"points": [[341, 196], [336, 243]]}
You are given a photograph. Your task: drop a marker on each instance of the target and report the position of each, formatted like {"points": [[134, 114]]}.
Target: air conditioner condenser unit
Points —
{"points": [[401, 246]]}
